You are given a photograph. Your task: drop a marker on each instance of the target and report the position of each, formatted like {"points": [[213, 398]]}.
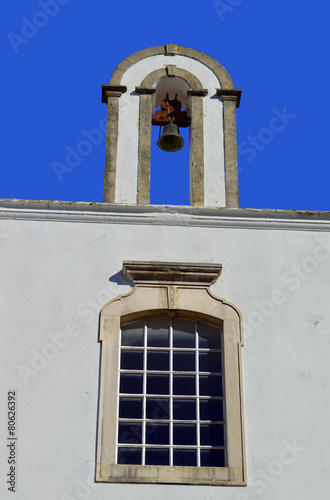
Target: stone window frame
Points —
{"points": [[175, 289]]}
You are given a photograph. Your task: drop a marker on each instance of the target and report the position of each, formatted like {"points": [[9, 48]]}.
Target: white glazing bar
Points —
{"points": [[171, 392], [117, 426], [223, 398], [197, 396], [144, 391]]}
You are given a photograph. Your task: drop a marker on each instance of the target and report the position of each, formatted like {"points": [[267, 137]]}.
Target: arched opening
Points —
{"points": [[169, 173]]}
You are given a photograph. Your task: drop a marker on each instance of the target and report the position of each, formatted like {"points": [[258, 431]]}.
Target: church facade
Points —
{"points": [[165, 350]]}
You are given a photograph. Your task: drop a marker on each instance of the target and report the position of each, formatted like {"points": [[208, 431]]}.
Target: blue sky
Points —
{"points": [[57, 53]]}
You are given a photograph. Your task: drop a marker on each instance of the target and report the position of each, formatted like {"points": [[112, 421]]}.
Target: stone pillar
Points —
{"points": [[111, 95], [197, 147], [146, 109], [231, 100]]}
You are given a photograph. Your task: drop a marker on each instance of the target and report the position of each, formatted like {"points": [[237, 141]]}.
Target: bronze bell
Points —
{"points": [[170, 140]]}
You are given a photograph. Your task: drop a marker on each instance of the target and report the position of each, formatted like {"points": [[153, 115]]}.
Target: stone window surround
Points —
{"points": [[229, 96], [176, 290]]}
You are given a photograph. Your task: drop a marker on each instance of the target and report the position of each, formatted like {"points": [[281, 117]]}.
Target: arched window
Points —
{"points": [[170, 406]]}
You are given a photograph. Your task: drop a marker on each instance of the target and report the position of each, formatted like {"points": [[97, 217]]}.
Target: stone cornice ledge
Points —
{"points": [[171, 272], [108, 213]]}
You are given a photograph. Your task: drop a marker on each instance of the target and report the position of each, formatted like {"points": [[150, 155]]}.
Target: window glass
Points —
{"points": [[158, 360], [212, 458], [132, 333], [209, 336], [184, 384], [184, 434], [183, 333], [210, 385], [210, 362], [170, 400], [158, 332], [157, 433], [157, 384], [129, 432], [211, 409], [157, 456], [212, 435], [131, 360], [131, 383], [184, 361], [184, 457], [130, 407], [158, 408], [129, 456], [184, 409]]}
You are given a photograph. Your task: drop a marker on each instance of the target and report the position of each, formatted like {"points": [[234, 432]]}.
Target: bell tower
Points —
{"points": [[193, 91]]}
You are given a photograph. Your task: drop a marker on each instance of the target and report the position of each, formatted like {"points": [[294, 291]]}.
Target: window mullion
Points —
{"points": [[197, 396], [171, 392], [144, 405], [118, 395]]}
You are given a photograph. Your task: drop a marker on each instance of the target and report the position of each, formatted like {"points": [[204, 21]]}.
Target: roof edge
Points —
{"points": [[77, 211]]}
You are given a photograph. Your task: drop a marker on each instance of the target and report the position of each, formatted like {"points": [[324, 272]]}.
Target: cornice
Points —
{"points": [[163, 215], [169, 273]]}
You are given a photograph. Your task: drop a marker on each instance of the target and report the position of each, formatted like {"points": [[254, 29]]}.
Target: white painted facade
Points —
{"points": [[59, 265]]}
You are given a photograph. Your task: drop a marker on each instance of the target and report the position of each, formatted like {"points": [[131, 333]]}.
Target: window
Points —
{"points": [[170, 406], [171, 394]]}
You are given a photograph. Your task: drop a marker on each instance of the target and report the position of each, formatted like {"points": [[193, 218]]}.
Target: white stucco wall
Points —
{"points": [[127, 158], [55, 268]]}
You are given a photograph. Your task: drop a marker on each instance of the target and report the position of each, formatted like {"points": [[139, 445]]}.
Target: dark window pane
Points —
{"points": [[184, 409], [184, 434], [158, 360], [156, 456], [210, 362], [212, 435], [132, 333], [184, 457], [157, 433], [157, 384], [213, 458], [131, 360], [129, 432], [184, 384], [211, 410], [184, 361], [130, 407], [210, 385], [158, 408], [209, 336], [183, 333], [130, 383], [158, 332], [130, 456]]}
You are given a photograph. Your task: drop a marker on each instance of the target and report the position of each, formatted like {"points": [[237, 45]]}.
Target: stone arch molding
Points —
{"points": [[183, 290], [205, 90], [173, 49]]}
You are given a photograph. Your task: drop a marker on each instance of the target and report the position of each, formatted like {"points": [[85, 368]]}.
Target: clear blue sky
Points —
{"points": [[53, 65]]}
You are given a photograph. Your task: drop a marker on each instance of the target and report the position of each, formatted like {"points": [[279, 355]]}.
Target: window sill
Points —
{"points": [[225, 476]]}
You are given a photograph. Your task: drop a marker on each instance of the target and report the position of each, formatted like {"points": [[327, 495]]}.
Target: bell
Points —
{"points": [[170, 140]]}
